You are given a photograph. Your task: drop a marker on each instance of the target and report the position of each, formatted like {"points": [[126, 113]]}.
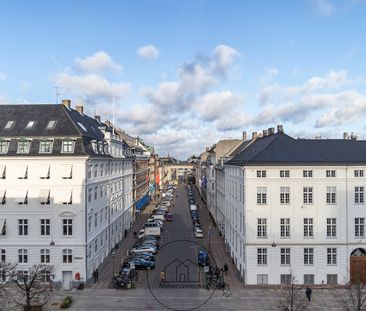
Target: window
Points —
{"points": [[89, 195], [332, 279], [262, 228], [23, 227], [308, 195], [308, 228], [262, 279], [46, 276], [44, 171], [96, 170], [285, 256], [261, 173], [359, 195], [331, 256], [307, 173], [30, 125], [358, 173], [285, 195], [286, 279], [45, 255], [4, 145], [2, 172], [67, 227], [22, 255], [89, 171], [2, 197], [308, 256], [95, 220], [45, 227], [261, 256], [67, 146], [23, 146], [309, 279], [9, 125], [96, 245], [89, 223], [284, 173], [101, 170], [261, 195], [44, 197], [2, 255], [66, 171], [331, 195], [331, 227], [23, 200], [23, 170], [67, 255], [22, 276], [285, 227], [51, 124], [95, 193], [330, 173], [359, 227], [45, 146]]}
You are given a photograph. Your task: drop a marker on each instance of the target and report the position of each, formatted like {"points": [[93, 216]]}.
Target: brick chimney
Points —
{"points": [[66, 103], [345, 135], [80, 109], [254, 135], [97, 117], [279, 128], [244, 135]]}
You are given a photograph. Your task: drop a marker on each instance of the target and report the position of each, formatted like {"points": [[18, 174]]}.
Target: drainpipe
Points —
{"points": [[348, 263]]}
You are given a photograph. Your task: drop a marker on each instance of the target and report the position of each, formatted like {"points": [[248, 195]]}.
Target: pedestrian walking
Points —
{"points": [[97, 274], [308, 293], [94, 276], [226, 268], [162, 278], [126, 232]]}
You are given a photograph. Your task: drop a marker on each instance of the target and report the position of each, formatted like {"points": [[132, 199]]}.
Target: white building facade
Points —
{"points": [[296, 208]]}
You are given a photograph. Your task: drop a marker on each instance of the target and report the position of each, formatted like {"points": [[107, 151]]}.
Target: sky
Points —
{"points": [[185, 74]]}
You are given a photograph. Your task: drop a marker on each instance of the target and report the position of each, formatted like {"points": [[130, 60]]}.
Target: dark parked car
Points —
{"points": [[203, 259], [168, 217], [142, 263]]}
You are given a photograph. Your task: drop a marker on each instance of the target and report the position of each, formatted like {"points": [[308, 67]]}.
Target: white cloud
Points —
{"points": [[224, 56], [148, 52], [97, 62], [323, 7], [2, 77], [270, 73]]}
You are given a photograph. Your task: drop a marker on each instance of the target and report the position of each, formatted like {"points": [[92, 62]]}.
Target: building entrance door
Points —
{"points": [[358, 266], [66, 280]]}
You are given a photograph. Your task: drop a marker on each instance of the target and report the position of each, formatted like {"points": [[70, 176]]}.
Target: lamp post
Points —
{"points": [[209, 239], [113, 252]]}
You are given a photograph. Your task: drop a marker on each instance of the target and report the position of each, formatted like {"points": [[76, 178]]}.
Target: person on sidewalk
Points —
{"points": [[162, 278], [308, 293], [226, 268], [94, 276]]}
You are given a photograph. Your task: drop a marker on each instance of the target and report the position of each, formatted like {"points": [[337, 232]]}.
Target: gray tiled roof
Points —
{"points": [[281, 149]]}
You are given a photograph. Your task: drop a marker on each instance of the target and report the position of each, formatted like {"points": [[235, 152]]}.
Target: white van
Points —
{"points": [[193, 207], [154, 231]]}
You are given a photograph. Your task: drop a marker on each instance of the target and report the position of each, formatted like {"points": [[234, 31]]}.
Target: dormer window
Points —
{"points": [[51, 124], [45, 146], [23, 146], [30, 125], [4, 145], [9, 125], [68, 146]]}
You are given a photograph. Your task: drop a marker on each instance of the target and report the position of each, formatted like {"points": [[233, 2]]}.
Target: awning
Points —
{"points": [[143, 202], [22, 197], [2, 196], [63, 196], [22, 171], [2, 226], [44, 196], [67, 171], [2, 171], [44, 171]]}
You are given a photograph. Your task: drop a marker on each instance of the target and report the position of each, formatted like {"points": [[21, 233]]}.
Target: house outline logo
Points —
{"points": [[179, 272]]}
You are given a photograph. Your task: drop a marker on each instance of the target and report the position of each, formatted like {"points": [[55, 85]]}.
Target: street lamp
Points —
{"points": [[113, 252], [209, 239]]}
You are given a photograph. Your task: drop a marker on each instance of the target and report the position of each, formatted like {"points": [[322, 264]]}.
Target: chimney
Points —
{"points": [[280, 128], [97, 117], [254, 135], [353, 136], [271, 131], [80, 109], [207, 148], [108, 123], [265, 133], [345, 135], [244, 135], [66, 103]]}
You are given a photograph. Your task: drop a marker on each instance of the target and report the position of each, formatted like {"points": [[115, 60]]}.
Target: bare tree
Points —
{"points": [[293, 297], [6, 275], [355, 299], [32, 286]]}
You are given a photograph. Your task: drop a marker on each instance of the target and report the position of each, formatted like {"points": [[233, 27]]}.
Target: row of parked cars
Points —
{"points": [[143, 251], [197, 229]]}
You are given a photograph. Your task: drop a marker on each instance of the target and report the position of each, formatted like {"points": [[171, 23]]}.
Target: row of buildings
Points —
{"points": [[70, 187], [288, 208]]}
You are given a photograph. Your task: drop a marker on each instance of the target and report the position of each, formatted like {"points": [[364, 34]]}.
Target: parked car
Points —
{"points": [[144, 249], [198, 233], [168, 217], [149, 238], [141, 263], [191, 201], [145, 256], [203, 259], [145, 243]]}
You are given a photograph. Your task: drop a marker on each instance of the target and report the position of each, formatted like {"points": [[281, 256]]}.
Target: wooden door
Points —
{"points": [[358, 269]]}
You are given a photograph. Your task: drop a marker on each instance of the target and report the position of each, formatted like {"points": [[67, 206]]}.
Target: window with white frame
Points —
{"points": [[261, 195], [309, 279], [359, 227], [67, 255], [96, 245], [285, 227], [308, 195], [262, 256], [285, 256], [261, 173], [285, 195], [89, 171], [4, 146], [286, 279], [284, 173], [95, 220], [22, 255], [22, 275], [23, 146], [330, 173], [332, 279], [45, 227], [67, 227], [45, 276], [358, 173], [45, 255], [96, 170], [89, 223], [67, 146], [359, 195], [89, 194], [331, 227], [262, 228], [45, 146], [331, 195], [308, 256], [331, 256], [308, 227], [51, 124], [307, 173], [23, 227]]}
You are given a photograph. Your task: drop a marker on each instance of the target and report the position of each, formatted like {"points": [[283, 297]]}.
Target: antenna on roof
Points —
{"points": [[57, 94], [113, 118]]}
